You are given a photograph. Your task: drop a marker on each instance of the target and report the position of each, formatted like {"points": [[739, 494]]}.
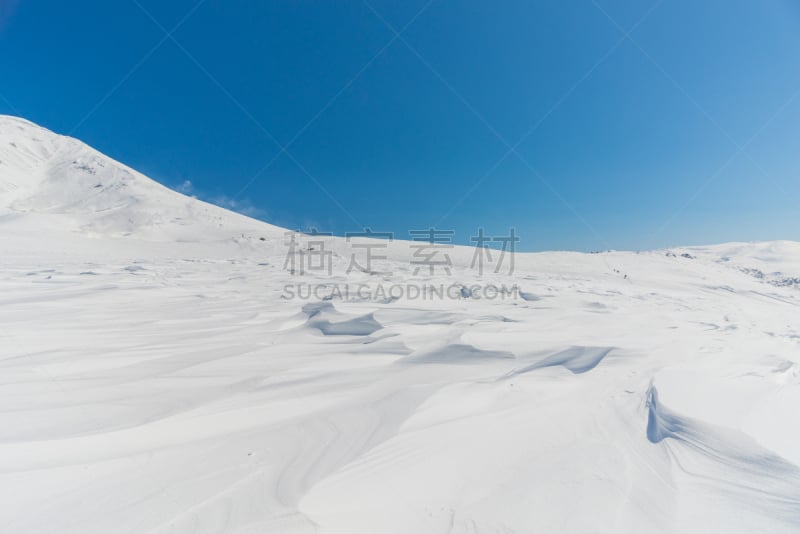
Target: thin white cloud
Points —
{"points": [[186, 188], [244, 206]]}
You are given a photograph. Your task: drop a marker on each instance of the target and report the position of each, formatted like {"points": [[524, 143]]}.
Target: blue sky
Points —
{"points": [[584, 124]]}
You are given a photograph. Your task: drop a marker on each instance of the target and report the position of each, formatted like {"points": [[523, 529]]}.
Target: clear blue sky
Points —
{"points": [[684, 132]]}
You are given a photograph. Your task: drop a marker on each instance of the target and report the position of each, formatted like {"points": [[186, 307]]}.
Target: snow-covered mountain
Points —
{"points": [[80, 190], [161, 370]]}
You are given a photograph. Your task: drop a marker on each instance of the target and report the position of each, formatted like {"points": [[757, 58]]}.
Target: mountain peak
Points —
{"points": [[44, 174]]}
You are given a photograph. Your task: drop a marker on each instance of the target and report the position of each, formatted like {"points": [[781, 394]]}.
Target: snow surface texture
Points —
{"points": [[153, 380]]}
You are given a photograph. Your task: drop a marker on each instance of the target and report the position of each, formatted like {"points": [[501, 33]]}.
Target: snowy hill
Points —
{"points": [[79, 189], [156, 375]]}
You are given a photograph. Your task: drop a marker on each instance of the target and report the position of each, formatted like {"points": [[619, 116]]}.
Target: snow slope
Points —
{"points": [[73, 188], [154, 377]]}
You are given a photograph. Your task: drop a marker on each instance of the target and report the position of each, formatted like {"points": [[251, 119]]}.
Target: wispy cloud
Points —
{"points": [[186, 188], [239, 205]]}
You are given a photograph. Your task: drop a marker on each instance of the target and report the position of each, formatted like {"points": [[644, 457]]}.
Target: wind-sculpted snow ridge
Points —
{"points": [[356, 326], [576, 359], [156, 376], [458, 353], [729, 463]]}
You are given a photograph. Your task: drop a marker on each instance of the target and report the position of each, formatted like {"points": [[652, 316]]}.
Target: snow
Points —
{"points": [[153, 379]]}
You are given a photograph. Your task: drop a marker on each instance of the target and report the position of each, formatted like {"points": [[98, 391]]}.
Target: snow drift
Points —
{"points": [[152, 379]]}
